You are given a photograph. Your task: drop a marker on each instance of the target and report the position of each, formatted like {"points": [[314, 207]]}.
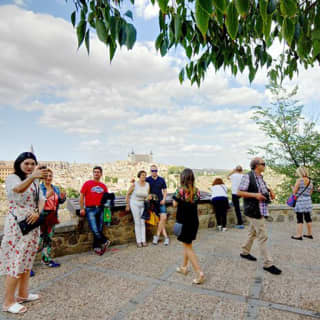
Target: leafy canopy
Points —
{"points": [[229, 34], [294, 140]]}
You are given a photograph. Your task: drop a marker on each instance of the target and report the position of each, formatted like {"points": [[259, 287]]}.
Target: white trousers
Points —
{"points": [[137, 208]]}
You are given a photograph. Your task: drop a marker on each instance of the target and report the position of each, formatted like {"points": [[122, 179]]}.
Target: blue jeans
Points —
{"points": [[95, 220]]}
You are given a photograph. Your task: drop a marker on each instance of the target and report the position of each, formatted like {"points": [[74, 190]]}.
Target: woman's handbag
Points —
{"points": [[177, 229], [292, 201], [26, 227], [154, 219]]}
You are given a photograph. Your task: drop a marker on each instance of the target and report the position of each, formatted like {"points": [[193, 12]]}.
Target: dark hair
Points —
{"points": [[140, 172], [254, 162], [97, 168], [187, 181], [217, 181], [17, 164]]}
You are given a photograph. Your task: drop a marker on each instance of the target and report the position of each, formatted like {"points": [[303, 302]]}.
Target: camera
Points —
{"points": [[267, 196]]}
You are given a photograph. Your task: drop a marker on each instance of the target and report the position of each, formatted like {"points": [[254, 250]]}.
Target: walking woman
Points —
{"points": [[303, 190], [186, 199], [18, 251], [54, 196], [220, 202], [136, 195]]}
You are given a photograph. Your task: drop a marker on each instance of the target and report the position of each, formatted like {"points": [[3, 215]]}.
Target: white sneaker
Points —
{"points": [[166, 241], [224, 229], [219, 228], [155, 240]]}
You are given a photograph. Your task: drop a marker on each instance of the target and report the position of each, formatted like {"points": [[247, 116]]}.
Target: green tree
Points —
{"points": [[294, 140], [1, 180], [233, 34], [175, 169], [114, 180], [107, 179]]}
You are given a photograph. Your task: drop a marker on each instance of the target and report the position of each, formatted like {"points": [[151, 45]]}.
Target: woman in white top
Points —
{"points": [[18, 251], [220, 202], [137, 194]]}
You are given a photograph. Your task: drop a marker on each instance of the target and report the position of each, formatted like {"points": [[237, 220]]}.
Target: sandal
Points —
{"points": [[199, 280], [15, 308], [31, 297], [183, 270]]}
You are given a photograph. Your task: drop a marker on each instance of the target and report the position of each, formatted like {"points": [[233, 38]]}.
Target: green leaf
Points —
{"points": [[158, 41], [189, 52], [259, 26], [129, 14], [315, 34], [122, 34], [203, 11], [163, 5], [267, 26], [131, 35], [73, 18], [297, 31], [288, 30], [101, 30], [112, 49], [81, 30], [164, 47], [316, 48], [304, 46], [263, 8], [177, 27], [181, 76], [288, 7], [87, 41], [243, 7], [272, 5], [232, 22], [220, 4]]}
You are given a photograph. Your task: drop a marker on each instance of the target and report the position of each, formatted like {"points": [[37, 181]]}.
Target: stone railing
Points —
{"points": [[74, 236]]}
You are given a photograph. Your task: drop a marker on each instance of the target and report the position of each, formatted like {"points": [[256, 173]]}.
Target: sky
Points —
{"points": [[79, 108]]}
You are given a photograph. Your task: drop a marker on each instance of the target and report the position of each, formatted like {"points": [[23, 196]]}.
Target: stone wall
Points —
{"points": [[74, 236]]}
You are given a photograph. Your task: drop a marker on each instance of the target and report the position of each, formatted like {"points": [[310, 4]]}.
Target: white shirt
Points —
{"points": [[219, 190], [235, 182], [140, 193]]}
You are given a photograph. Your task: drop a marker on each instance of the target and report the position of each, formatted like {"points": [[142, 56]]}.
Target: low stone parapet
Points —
{"points": [[74, 236]]}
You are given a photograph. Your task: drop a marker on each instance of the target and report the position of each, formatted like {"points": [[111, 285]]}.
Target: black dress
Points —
{"points": [[187, 214]]}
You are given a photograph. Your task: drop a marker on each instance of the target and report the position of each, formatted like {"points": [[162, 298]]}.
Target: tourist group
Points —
{"points": [[33, 214]]}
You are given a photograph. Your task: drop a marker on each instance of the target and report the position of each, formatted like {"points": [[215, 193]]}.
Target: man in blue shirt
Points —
{"points": [[158, 186]]}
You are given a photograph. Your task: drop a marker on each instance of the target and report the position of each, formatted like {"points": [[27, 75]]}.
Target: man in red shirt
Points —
{"points": [[90, 196]]}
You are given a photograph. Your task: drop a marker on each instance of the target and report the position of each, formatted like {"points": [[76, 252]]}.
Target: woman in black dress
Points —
{"points": [[186, 199]]}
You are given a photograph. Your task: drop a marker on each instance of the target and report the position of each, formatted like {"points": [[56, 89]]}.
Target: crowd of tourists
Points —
{"points": [[34, 203]]}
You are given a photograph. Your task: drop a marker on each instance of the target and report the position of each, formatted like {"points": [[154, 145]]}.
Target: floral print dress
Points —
{"points": [[18, 252]]}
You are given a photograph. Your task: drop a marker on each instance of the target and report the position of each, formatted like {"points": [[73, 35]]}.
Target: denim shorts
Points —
{"points": [[163, 209]]}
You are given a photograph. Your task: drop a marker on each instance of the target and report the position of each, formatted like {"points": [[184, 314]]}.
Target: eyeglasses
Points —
{"points": [[154, 170]]}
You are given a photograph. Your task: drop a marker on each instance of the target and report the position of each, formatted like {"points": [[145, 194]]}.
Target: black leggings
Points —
{"points": [[221, 206], [307, 217]]}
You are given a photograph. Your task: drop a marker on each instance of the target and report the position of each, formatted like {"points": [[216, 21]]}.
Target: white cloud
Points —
{"points": [[136, 101]]}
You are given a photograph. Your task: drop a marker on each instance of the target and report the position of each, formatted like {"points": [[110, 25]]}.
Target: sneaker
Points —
{"points": [[273, 270], [106, 245], [219, 228], [248, 257], [166, 241], [224, 229], [53, 264], [155, 240], [98, 251], [239, 226], [32, 274]]}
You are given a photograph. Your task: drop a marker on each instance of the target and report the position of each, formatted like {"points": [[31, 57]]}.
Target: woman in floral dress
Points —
{"points": [[18, 251]]}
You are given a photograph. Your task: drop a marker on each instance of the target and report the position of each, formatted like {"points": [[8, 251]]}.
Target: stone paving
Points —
{"points": [[130, 283]]}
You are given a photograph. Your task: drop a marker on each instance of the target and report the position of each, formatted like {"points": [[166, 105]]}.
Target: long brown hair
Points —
{"points": [[187, 181]]}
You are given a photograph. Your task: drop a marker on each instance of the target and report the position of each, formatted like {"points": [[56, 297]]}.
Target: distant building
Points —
{"points": [[134, 157], [6, 168]]}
